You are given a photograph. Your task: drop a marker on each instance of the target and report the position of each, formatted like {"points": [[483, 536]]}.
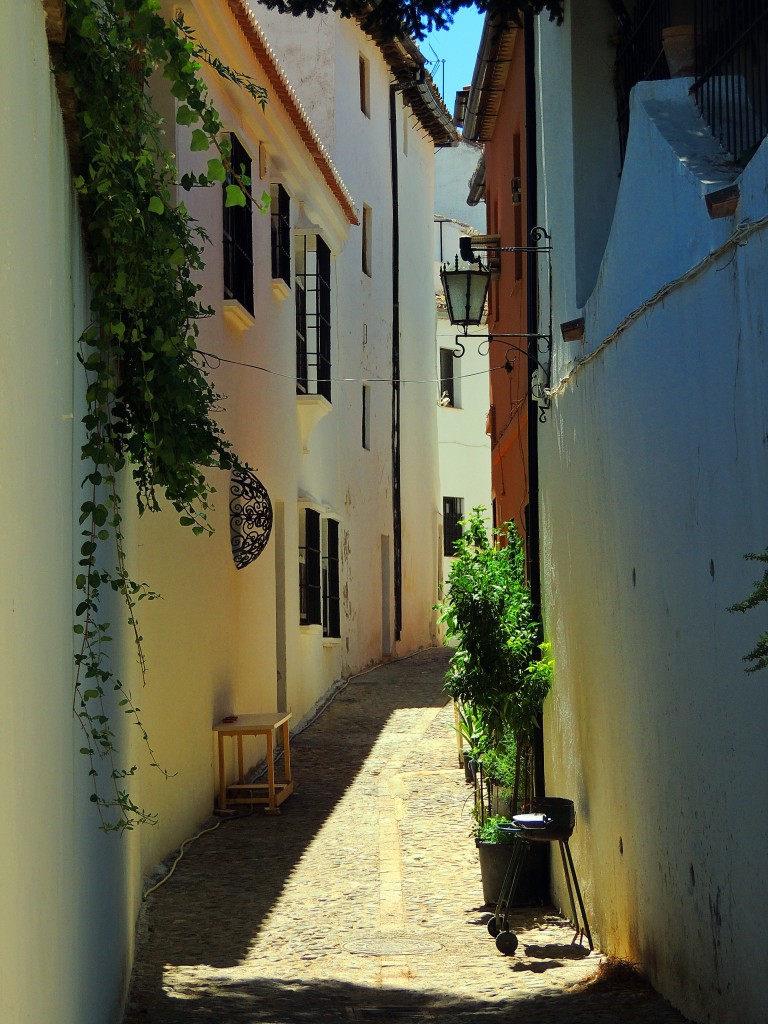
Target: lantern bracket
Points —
{"points": [[539, 348]]}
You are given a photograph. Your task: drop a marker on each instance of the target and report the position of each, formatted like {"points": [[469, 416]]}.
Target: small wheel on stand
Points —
{"points": [[506, 943], [493, 927]]}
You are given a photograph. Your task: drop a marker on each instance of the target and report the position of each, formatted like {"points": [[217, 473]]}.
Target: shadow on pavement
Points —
{"points": [[211, 910], [262, 1001]]}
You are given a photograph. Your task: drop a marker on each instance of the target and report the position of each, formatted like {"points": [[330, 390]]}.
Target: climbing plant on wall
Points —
{"points": [[149, 426]]}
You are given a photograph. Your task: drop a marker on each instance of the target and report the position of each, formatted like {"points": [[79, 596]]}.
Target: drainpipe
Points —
{"points": [[397, 555], [532, 315]]}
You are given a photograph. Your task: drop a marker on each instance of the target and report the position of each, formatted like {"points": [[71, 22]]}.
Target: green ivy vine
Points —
{"points": [[150, 405]]}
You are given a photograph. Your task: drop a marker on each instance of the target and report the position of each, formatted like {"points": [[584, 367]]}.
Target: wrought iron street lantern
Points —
{"points": [[465, 289]]}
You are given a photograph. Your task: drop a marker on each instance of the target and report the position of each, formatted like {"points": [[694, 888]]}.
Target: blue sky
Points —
{"points": [[457, 46]]}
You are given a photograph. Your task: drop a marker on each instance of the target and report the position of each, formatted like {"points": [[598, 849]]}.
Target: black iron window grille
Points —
{"points": [[313, 316], [280, 215], [310, 583], [238, 235], [331, 592], [453, 513], [319, 587], [730, 65]]}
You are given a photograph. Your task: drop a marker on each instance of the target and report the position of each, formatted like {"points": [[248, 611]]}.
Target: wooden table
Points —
{"points": [[270, 793]]}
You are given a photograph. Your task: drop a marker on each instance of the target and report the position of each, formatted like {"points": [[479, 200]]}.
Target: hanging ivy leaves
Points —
{"points": [[149, 402]]}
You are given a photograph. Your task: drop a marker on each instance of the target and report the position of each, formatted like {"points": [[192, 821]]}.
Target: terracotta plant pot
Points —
{"points": [[680, 50]]}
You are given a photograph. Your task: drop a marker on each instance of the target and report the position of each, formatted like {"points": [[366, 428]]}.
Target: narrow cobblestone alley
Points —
{"points": [[362, 901]]}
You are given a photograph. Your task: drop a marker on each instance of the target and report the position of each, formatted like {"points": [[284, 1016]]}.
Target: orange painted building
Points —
{"points": [[492, 112]]}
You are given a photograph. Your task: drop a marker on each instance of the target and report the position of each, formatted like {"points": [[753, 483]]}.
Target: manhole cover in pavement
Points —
{"points": [[384, 1014], [377, 944]]}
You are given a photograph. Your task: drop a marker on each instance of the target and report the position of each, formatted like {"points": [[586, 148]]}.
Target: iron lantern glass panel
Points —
{"points": [[465, 292]]}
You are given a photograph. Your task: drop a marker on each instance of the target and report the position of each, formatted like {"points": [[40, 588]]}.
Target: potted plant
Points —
{"points": [[499, 668], [493, 839]]}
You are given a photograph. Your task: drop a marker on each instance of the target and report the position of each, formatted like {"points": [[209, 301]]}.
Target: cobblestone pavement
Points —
{"points": [[361, 901]]}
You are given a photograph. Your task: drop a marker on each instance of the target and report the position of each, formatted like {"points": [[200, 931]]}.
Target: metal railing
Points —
{"points": [[731, 87], [640, 56], [730, 65]]}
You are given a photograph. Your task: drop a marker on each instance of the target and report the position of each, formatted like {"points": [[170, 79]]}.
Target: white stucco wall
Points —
{"points": [[653, 487], [454, 167], [66, 897]]}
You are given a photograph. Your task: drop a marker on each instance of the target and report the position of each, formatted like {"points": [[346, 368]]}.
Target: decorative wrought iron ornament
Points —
{"points": [[250, 517]]}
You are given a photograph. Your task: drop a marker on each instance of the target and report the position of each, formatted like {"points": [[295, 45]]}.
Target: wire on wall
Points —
{"points": [[739, 237]]}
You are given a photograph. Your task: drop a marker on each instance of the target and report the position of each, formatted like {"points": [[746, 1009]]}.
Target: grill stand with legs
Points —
{"points": [[498, 926]]}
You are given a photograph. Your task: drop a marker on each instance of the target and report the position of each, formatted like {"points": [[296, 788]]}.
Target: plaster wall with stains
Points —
{"points": [[652, 490]]}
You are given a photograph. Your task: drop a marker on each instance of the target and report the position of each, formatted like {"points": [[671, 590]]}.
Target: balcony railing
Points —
{"points": [[730, 65], [731, 86]]}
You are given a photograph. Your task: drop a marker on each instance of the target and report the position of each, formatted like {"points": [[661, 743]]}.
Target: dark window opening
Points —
{"points": [[280, 212], [319, 587], [238, 234], [310, 588], [366, 425], [453, 513], [331, 601], [366, 240], [364, 70], [447, 382]]}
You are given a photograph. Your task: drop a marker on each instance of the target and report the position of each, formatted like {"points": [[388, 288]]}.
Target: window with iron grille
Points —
{"points": [[447, 380], [453, 513], [238, 234], [331, 603], [319, 588], [310, 582], [313, 316], [280, 215]]}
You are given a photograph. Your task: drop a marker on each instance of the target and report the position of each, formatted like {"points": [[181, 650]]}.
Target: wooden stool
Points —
{"points": [[270, 793]]}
